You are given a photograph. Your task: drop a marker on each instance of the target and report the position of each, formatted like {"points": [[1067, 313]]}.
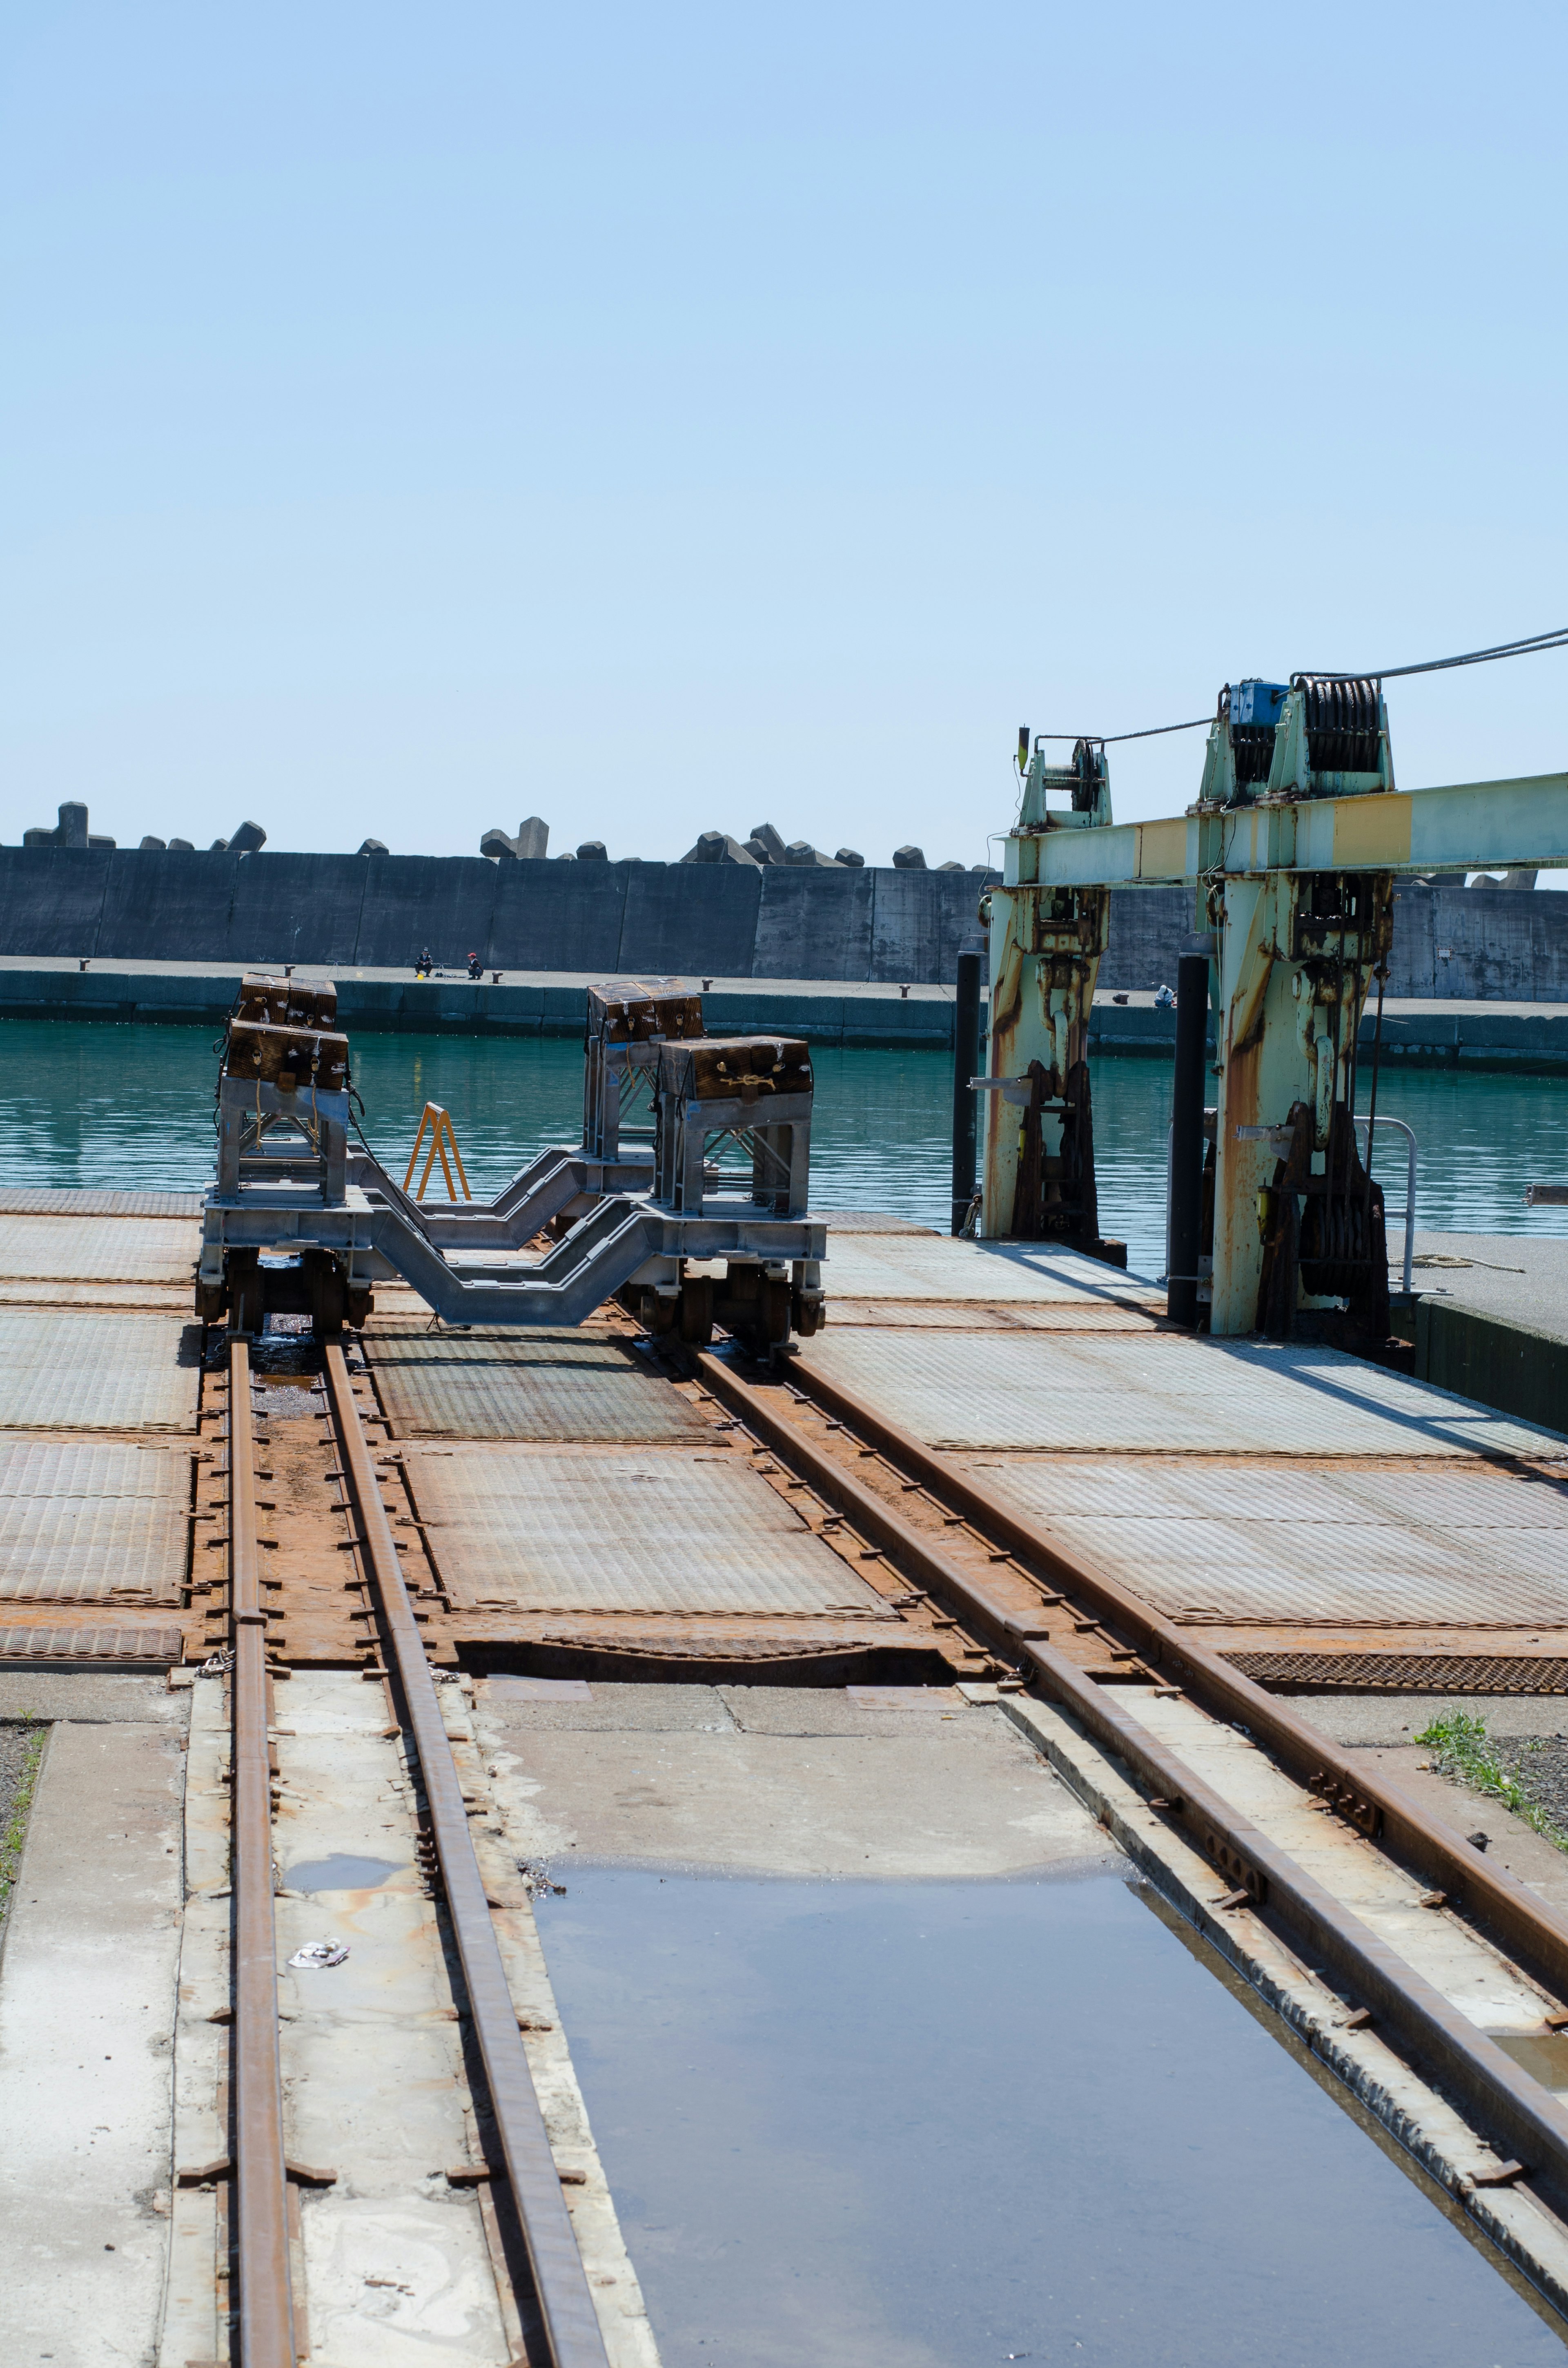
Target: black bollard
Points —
{"points": [[966, 1064], [1187, 1135]]}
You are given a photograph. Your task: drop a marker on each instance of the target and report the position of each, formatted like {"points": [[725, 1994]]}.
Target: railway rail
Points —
{"points": [[1033, 1601], [265, 2309], [997, 1595]]}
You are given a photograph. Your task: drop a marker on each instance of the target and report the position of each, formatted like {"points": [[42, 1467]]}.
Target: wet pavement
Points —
{"points": [[951, 2124]]}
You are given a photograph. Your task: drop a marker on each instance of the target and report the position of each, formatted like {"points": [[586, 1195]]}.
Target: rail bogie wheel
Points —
{"points": [[242, 1276], [774, 1313], [329, 1290], [808, 1314], [695, 1322]]}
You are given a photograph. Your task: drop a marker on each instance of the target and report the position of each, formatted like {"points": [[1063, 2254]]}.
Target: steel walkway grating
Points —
{"points": [[933, 1266], [68, 1370], [98, 1249], [1156, 1393], [536, 1385], [678, 1532], [1475, 1547], [93, 1523], [161, 1644], [41, 1201]]}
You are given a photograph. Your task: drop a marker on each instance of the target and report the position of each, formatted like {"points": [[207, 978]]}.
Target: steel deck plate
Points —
{"points": [[65, 1371], [526, 1385], [91, 1644], [870, 1220], [1153, 1392], [38, 1200], [934, 1267], [83, 1522], [171, 1298], [971, 1315], [672, 1531], [1394, 1547], [102, 1249]]}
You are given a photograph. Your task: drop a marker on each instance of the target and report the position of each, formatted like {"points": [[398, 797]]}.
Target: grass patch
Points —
{"points": [[1459, 1747], [16, 1824]]}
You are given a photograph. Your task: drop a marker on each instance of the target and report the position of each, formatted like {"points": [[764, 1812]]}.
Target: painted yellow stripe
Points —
{"points": [[1161, 850], [1371, 834]]}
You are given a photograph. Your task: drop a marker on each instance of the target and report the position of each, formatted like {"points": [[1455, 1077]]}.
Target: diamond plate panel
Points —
{"points": [[91, 1644], [1393, 1548], [1153, 1392], [934, 1267], [870, 1220], [62, 1370], [173, 1299], [536, 1385], [971, 1315], [84, 1522], [101, 1250], [668, 1532], [39, 1200]]}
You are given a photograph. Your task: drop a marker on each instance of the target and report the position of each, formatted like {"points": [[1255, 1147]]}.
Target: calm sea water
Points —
{"points": [[95, 1103]]}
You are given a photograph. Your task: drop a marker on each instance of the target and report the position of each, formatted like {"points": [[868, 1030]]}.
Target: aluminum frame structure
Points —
{"points": [[316, 1227]]}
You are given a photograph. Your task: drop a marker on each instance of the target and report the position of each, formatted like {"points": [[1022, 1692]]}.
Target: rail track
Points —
{"points": [[1034, 1601], [264, 2307], [1419, 1944]]}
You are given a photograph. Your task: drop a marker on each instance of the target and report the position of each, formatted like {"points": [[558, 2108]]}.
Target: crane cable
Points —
{"points": [[1557, 640]]}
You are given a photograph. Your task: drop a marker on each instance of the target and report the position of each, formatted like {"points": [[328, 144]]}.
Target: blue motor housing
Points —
{"points": [[1257, 703]]}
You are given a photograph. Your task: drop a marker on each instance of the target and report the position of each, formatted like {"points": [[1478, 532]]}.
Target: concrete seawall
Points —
{"points": [[1416, 1032], [867, 928]]}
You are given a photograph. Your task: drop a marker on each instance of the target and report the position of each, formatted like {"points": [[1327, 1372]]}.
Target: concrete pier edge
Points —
{"points": [[1436, 1032]]}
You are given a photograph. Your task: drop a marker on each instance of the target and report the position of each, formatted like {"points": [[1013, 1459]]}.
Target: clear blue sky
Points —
{"points": [[412, 419]]}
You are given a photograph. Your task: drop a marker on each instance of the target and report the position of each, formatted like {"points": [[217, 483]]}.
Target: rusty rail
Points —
{"points": [[1526, 2114], [261, 2216], [1536, 1934], [566, 2305]]}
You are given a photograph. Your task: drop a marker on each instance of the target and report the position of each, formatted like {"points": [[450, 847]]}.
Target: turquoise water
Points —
{"points": [[124, 1106]]}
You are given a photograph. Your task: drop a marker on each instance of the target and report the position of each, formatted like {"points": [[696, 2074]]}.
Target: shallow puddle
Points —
{"points": [[341, 1873], [941, 2125]]}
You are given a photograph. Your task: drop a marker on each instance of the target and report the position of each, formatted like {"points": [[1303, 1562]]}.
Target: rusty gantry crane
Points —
{"points": [[1290, 851]]}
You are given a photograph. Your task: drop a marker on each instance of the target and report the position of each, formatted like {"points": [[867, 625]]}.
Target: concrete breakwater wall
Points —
{"points": [[877, 926], [379, 911]]}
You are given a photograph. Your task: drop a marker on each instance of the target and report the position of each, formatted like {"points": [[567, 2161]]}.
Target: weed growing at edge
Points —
{"points": [[1459, 1747], [16, 1824]]}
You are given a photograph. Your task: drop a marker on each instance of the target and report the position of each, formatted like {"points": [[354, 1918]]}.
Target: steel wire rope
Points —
{"points": [[1529, 645]]}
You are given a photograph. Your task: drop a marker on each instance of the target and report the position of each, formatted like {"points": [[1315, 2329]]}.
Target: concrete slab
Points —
{"points": [[610, 1710], [833, 1790], [1392, 1719], [93, 1698], [1522, 1279], [86, 2020]]}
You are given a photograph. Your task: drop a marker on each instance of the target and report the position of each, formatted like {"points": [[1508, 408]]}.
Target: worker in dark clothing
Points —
{"points": [[474, 965], [424, 964]]}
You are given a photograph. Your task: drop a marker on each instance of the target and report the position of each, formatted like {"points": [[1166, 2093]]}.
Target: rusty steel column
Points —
{"points": [[566, 2305], [261, 2213], [1186, 1136], [966, 1064]]}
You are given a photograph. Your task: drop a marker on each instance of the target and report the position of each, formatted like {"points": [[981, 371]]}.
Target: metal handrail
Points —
{"points": [[1408, 1212]]}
